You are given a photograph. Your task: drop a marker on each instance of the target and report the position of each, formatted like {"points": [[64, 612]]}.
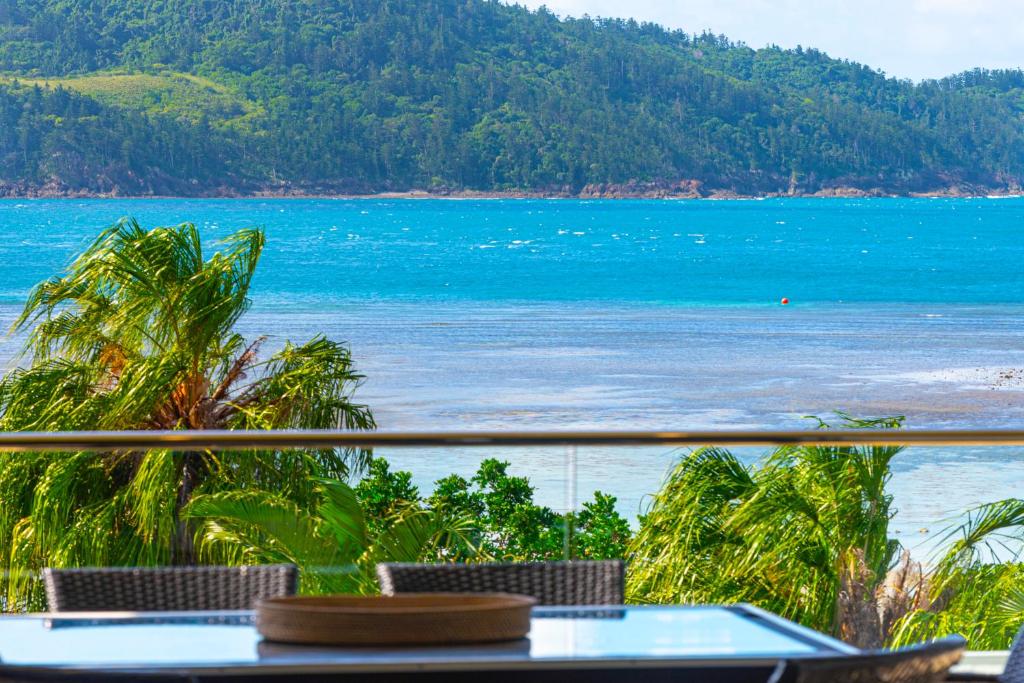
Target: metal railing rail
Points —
{"points": [[242, 440]]}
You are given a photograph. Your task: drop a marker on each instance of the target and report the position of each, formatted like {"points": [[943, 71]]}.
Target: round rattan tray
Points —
{"points": [[407, 619]]}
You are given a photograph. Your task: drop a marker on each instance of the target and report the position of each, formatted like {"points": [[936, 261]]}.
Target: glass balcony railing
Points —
{"points": [[821, 526]]}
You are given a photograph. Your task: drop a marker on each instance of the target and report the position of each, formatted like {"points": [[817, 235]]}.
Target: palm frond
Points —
{"points": [[342, 514], [804, 533], [993, 530], [266, 525]]}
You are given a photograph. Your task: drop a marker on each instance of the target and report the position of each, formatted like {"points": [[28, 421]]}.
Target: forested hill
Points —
{"points": [[207, 97]]}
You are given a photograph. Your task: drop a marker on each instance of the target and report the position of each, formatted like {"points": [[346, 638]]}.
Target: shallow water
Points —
{"points": [[639, 314]]}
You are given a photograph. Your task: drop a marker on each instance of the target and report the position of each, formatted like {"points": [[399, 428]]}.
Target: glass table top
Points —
{"points": [[580, 635]]}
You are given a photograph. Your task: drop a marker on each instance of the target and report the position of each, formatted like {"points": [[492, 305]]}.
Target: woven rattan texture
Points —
{"points": [[166, 589], [551, 583], [928, 663], [1014, 672], [408, 619]]}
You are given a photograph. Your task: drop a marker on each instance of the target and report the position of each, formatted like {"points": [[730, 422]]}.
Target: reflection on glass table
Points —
{"points": [[586, 641]]}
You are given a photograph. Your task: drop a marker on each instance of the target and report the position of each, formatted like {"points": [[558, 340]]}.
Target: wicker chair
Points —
{"points": [[551, 583], [1014, 671], [927, 663], [166, 589]]}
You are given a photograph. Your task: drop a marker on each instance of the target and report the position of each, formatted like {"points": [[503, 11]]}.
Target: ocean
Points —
{"points": [[561, 314]]}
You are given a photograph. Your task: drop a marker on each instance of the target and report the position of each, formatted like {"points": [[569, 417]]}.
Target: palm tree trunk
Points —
{"points": [[183, 551], [857, 614]]}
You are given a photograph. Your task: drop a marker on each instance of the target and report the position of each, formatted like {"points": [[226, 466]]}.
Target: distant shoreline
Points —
{"points": [[609, 193]]}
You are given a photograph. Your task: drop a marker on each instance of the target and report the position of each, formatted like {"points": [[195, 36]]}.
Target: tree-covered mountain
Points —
{"points": [[199, 97]]}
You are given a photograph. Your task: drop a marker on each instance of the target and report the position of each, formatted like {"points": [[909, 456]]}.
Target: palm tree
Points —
{"points": [[978, 581], [804, 534], [331, 542], [139, 333]]}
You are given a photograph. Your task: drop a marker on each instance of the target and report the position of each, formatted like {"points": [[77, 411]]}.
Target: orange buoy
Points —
{"points": [[785, 301]]}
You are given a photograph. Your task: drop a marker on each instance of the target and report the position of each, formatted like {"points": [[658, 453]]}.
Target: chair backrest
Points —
{"points": [[166, 589], [551, 583], [926, 663], [1014, 671]]}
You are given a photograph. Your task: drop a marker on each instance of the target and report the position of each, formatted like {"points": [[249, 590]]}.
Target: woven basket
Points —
{"points": [[407, 619]]}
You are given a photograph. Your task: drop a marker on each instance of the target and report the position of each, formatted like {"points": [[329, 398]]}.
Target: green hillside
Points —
{"points": [[199, 97]]}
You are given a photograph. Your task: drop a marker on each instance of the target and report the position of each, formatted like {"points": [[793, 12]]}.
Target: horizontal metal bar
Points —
{"points": [[241, 440]]}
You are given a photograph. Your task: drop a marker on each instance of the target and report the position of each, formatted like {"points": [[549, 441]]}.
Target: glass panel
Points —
{"points": [[513, 504]]}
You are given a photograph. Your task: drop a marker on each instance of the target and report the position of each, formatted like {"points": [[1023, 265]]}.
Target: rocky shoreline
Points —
{"points": [[687, 189]]}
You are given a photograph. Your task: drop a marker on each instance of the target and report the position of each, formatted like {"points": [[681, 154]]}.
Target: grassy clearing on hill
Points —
{"points": [[170, 93]]}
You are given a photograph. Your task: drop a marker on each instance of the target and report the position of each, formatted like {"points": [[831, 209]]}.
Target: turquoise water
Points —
{"points": [[532, 314], [812, 251]]}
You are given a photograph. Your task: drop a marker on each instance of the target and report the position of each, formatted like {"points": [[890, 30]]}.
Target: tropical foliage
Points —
{"points": [[978, 583], [139, 333], [334, 544], [804, 533], [338, 542], [205, 98], [517, 529], [510, 525]]}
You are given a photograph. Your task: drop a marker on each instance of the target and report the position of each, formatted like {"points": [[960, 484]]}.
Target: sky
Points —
{"points": [[913, 39]]}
